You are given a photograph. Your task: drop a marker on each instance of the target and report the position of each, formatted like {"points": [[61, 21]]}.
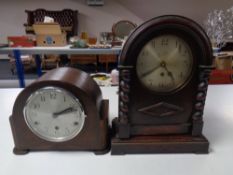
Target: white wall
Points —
{"points": [[91, 19], [97, 19]]}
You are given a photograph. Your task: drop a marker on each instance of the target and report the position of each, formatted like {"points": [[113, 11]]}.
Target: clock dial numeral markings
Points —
{"points": [[36, 106], [186, 63], [46, 129], [164, 42], [153, 43], [53, 95], [67, 131], [42, 98], [180, 48], [145, 53], [161, 85], [185, 52], [60, 114], [177, 43], [76, 123], [168, 65], [181, 75]]}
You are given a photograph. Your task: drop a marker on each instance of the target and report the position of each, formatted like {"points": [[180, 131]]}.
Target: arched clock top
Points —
{"points": [[181, 26]]}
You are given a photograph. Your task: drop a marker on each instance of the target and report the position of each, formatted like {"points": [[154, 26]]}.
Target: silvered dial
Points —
{"points": [[164, 63], [54, 114]]}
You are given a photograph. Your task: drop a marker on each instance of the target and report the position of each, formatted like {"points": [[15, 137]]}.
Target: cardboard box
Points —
{"points": [[223, 62], [49, 34]]}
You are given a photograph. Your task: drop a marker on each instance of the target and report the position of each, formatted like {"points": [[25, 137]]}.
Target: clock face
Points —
{"points": [[54, 114], [165, 63]]}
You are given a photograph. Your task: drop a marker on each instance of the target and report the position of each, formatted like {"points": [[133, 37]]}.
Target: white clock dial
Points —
{"points": [[54, 114], [164, 63]]}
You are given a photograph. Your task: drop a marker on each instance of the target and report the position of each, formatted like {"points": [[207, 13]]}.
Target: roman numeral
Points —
{"points": [[164, 42]]}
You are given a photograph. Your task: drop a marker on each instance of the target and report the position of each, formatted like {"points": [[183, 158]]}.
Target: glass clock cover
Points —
{"points": [[165, 63], [54, 114]]}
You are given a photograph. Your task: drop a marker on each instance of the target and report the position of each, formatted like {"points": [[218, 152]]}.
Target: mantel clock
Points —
{"points": [[62, 110], [164, 70]]}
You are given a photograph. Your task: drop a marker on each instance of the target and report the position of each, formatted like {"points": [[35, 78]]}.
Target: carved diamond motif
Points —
{"points": [[161, 109]]}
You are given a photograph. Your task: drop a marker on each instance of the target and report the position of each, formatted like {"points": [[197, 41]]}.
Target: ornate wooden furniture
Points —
{"points": [[67, 18]]}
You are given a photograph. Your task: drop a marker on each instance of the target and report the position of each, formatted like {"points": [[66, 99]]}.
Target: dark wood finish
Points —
{"points": [[174, 114], [94, 135], [67, 18], [160, 144], [159, 130]]}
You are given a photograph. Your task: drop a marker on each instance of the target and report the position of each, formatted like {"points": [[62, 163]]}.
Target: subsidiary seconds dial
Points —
{"points": [[54, 114], [165, 63]]}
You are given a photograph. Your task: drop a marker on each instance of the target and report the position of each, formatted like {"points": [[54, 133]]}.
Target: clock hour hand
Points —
{"points": [[150, 71], [169, 74], [65, 111]]}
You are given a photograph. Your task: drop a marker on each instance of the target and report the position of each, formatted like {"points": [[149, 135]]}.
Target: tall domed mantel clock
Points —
{"points": [[62, 110], [164, 70]]}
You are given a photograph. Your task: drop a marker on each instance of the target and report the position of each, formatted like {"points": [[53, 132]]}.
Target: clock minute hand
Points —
{"points": [[67, 110], [150, 71]]}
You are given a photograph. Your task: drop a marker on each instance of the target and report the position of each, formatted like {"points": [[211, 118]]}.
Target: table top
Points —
{"points": [[218, 128], [61, 50]]}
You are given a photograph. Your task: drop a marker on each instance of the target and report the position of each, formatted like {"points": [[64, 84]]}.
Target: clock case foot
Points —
{"points": [[160, 144], [20, 151]]}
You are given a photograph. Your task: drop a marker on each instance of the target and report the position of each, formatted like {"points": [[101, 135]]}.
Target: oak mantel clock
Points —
{"points": [[62, 110], [164, 70]]}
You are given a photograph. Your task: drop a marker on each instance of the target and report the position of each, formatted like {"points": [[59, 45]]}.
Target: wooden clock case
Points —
{"points": [[153, 122], [94, 135]]}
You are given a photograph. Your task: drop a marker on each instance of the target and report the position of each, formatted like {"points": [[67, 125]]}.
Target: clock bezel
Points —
{"points": [[64, 91], [184, 81]]}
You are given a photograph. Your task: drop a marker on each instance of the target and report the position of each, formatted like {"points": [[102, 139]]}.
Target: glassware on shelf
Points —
{"points": [[103, 37]]}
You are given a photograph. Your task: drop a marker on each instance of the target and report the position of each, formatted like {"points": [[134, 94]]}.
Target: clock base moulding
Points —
{"points": [[24, 148], [160, 144]]}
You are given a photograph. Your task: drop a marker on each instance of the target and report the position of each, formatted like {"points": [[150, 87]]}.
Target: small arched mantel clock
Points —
{"points": [[63, 110]]}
